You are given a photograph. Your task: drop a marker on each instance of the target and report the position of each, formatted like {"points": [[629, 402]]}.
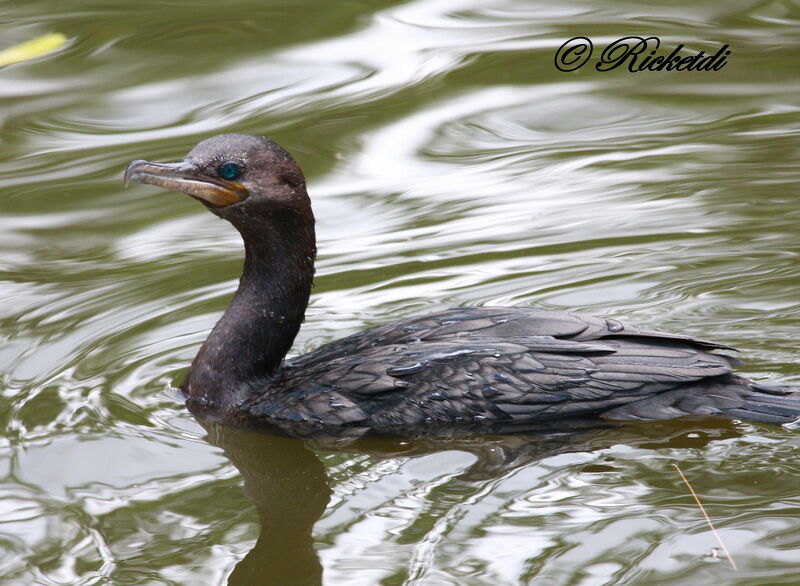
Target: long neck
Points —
{"points": [[254, 334]]}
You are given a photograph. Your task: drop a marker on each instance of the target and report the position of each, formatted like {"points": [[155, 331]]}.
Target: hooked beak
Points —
{"points": [[186, 178]]}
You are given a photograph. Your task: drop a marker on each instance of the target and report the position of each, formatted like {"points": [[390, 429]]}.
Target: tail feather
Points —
{"points": [[730, 396], [767, 403]]}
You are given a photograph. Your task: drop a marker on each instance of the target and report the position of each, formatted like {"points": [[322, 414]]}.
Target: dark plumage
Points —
{"points": [[486, 368]]}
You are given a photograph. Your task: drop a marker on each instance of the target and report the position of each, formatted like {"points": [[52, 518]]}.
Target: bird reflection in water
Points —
{"points": [[289, 485]]}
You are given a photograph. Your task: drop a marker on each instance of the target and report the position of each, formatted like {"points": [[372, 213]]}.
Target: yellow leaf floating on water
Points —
{"points": [[32, 49]]}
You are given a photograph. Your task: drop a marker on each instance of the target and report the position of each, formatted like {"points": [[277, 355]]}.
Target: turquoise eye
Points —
{"points": [[229, 171]]}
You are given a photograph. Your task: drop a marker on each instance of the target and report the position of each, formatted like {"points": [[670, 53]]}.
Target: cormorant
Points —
{"points": [[470, 368]]}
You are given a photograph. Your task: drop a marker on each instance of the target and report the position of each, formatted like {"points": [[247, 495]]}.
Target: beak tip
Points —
{"points": [[129, 171]]}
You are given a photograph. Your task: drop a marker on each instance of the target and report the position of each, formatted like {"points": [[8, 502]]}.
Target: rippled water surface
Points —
{"points": [[449, 163]]}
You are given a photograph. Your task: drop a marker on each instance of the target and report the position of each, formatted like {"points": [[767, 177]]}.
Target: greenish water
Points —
{"points": [[450, 163]]}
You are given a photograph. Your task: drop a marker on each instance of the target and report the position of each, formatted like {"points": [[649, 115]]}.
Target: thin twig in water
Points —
{"points": [[708, 519]]}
